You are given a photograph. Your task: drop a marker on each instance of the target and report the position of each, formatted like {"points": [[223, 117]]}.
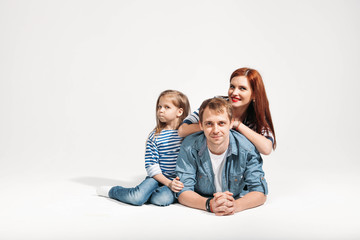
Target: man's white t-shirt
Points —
{"points": [[218, 162]]}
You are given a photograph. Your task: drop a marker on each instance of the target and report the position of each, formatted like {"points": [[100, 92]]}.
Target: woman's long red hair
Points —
{"points": [[258, 112]]}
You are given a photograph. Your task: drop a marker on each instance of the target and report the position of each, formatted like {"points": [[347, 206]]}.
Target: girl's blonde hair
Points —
{"points": [[180, 100]]}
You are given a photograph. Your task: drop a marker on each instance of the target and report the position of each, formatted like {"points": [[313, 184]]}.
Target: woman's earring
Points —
{"points": [[253, 100]]}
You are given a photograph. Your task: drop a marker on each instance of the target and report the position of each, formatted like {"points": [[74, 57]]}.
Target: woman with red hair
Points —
{"points": [[251, 112]]}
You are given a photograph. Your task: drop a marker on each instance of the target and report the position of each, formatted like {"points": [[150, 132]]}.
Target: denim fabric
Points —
{"points": [[149, 191], [243, 167]]}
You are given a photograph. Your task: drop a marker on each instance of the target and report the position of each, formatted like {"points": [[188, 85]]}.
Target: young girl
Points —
{"points": [[251, 113], [162, 148]]}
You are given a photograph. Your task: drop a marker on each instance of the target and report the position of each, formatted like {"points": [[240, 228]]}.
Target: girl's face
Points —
{"points": [[240, 93], [167, 112]]}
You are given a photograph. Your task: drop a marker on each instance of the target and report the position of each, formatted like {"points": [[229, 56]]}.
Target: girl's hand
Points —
{"points": [[176, 185]]}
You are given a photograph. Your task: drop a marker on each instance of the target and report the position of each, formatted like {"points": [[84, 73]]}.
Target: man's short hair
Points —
{"points": [[216, 104]]}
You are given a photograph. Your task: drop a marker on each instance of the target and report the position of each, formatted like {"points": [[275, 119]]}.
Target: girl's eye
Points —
{"points": [[167, 107], [232, 87], [242, 88]]}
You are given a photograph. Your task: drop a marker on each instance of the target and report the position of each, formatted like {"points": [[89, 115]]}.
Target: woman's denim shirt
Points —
{"points": [[243, 167]]}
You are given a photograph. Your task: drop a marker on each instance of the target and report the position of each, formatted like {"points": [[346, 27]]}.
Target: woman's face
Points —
{"points": [[240, 93]]}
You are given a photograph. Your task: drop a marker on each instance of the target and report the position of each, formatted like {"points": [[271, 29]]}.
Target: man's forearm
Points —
{"points": [[192, 199], [250, 200]]}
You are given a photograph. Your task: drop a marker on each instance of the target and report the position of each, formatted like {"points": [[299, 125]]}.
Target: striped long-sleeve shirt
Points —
{"points": [[161, 153]]}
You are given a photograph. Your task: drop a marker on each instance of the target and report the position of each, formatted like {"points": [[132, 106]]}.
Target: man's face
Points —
{"points": [[216, 127]]}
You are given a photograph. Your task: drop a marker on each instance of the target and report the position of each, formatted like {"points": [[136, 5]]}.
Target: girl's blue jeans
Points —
{"points": [[149, 191]]}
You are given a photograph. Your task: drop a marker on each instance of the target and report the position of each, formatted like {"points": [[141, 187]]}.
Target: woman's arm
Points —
{"points": [[262, 144], [187, 129], [190, 124]]}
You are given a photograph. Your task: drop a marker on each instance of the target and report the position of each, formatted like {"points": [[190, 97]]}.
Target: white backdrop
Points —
{"points": [[78, 85]]}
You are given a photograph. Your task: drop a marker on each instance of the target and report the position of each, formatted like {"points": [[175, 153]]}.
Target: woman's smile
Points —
{"points": [[235, 99], [240, 92]]}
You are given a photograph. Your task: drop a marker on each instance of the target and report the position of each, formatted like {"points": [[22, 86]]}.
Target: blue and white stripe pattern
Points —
{"points": [[161, 153], [192, 118]]}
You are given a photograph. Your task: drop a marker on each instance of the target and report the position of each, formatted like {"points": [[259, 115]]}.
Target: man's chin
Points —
{"points": [[216, 140]]}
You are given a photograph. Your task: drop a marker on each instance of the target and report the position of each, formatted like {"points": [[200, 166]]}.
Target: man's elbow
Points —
{"points": [[181, 198], [259, 198], [186, 197], [262, 199]]}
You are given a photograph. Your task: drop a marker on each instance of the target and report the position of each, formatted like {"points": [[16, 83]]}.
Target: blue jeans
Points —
{"points": [[149, 191]]}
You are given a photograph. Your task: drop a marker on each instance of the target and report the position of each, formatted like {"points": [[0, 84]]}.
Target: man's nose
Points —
{"points": [[215, 128]]}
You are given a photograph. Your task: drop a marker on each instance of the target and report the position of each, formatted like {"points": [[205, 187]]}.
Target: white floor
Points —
{"points": [[60, 205], [78, 86]]}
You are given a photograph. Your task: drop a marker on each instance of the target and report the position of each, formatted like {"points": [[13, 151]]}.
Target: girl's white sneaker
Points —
{"points": [[103, 191]]}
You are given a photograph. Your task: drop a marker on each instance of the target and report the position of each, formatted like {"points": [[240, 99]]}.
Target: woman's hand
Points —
{"points": [[236, 124], [176, 185]]}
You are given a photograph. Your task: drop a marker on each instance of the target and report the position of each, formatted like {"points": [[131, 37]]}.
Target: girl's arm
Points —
{"points": [[175, 185], [162, 179], [152, 166], [187, 129], [262, 144]]}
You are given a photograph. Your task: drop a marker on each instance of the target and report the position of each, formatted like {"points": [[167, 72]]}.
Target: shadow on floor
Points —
{"points": [[98, 181]]}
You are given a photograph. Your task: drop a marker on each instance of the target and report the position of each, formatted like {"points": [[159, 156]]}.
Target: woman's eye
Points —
{"points": [[167, 107], [231, 86]]}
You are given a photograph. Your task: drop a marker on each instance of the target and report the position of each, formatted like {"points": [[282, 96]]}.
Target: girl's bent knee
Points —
{"points": [[161, 202], [162, 198]]}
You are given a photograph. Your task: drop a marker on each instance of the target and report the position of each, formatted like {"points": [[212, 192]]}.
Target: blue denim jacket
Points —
{"points": [[243, 167]]}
